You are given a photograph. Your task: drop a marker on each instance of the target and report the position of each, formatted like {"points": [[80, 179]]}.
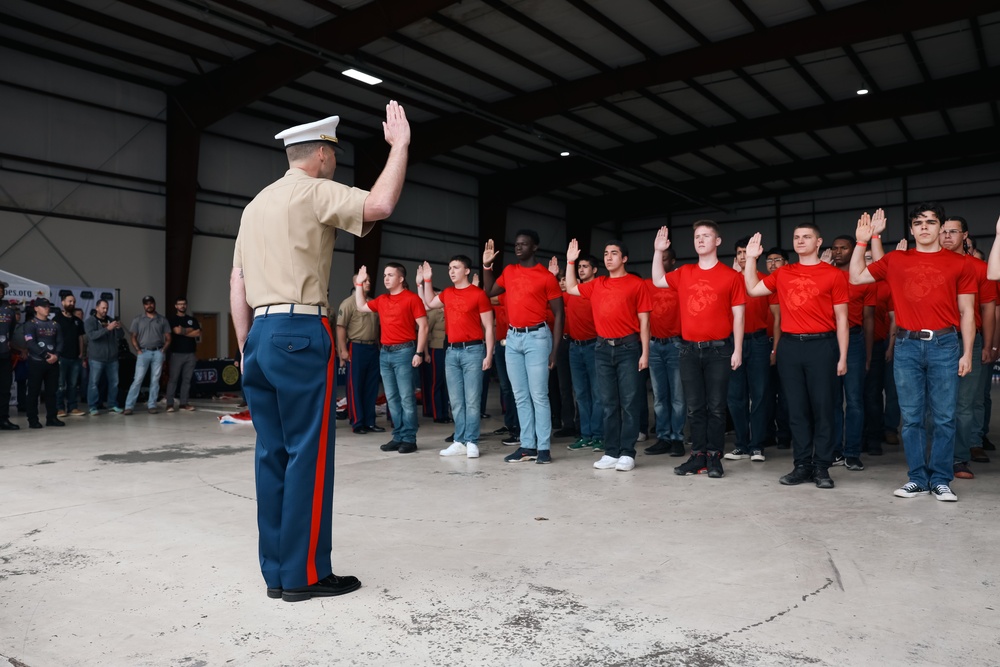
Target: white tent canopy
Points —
{"points": [[21, 289]]}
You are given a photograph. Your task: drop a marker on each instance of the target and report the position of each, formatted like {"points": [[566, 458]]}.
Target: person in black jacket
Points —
{"points": [[43, 340]]}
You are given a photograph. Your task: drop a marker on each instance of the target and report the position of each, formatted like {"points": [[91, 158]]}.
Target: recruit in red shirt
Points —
{"points": [[665, 319], [987, 292], [807, 294], [707, 298], [528, 293], [859, 296], [883, 306], [397, 315], [500, 313], [925, 286], [617, 303], [758, 312], [462, 313], [579, 318]]}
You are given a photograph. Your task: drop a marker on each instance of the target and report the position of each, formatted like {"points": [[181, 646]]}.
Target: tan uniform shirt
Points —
{"points": [[435, 328], [359, 326], [286, 238]]}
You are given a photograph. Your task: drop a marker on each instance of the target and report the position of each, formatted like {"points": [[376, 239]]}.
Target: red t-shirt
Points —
{"points": [[665, 320], [528, 293], [987, 288], [925, 286], [859, 297], [579, 318], [808, 294], [500, 313], [758, 312], [707, 298], [883, 306], [397, 316], [462, 313], [617, 303]]}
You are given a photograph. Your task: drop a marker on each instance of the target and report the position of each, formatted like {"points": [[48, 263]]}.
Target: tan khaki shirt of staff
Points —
{"points": [[287, 235], [359, 326], [436, 334]]}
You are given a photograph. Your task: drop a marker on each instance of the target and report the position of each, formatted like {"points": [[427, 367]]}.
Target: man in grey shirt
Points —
{"points": [[103, 335], [150, 339]]}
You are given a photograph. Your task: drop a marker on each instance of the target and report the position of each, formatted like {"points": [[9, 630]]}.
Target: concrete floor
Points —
{"points": [[132, 541]]}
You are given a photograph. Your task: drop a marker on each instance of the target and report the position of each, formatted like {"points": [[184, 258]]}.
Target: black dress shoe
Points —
{"points": [[274, 593], [450, 438], [659, 447], [800, 475], [361, 430], [55, 421], [677, 448], [372, 428], [9, 426], [390, 446], [501, 431], [407, 447], [326, 587], [35, 424]]}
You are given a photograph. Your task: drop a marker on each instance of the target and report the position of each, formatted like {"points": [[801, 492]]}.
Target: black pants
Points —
{"points": [[6, 376], [40, 372], [561, 401], [808, 372], [705, 377]]}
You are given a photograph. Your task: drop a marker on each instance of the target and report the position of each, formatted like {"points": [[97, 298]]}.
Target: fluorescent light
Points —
{"points": [[564, 154], [862, 91], [361, 76]]}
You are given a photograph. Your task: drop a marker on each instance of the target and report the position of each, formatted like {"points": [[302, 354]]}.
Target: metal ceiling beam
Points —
{"points": [[651, 201], [957, 91], [855, 23]]}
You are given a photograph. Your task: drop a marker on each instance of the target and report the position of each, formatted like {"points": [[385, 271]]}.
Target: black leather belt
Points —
{"points": [[815, 336], [400, 346], [151, 349], [759, 333], [856, 329], [468, 343], [589, 341], [615, 342], [363, 342], [924, 334], [534, 327], [665, 341], [702, 344]]}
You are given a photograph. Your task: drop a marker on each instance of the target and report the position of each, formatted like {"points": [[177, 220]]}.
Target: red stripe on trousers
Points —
{"points": [[324, 432], [352, 408]]}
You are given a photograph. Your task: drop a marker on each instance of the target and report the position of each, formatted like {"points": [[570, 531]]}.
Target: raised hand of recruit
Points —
{"points": [[420, 275], [554, 266], [902, 245], [878, 221], [426, 268], [662, 240], [396, 127], [754, 248], [489, 254], [864, 232], [827, 256], [573, 251], [362, 276], [475, 279]]}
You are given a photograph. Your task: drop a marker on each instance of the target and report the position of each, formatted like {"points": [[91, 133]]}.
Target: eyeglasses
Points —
{"points": [[775, 260], [951, 232]]}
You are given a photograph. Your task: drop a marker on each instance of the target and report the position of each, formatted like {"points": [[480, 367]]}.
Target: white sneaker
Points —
{"points": [[944, 492], [456, 449], [625, 463], [606, 463], [757, 455], [642, 437], [472, 450]]}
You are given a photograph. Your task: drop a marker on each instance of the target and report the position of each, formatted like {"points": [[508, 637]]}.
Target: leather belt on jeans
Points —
{"points": [[292, 308], [589, 341], [811, 336], [924, 334], [665, 341], [399, 346], [363, 342], [151, 349], [468, 343], [534, 327], [702, 344], [615, 342], [759, 333]]}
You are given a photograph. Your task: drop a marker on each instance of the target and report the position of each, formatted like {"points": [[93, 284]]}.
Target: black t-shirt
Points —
{"points": [[179, 342], [72, 328]]}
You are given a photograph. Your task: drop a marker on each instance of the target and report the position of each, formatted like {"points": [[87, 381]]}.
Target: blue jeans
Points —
{"points": [[705, 375], [463, 367], [668, 394], [506, 391], [750, 393], [398, 376], [588, 401], [108, 369], [852, 390], [970, 397], [67, 397], [146, 360], [527, 358], [619, 383], [927, 376]]}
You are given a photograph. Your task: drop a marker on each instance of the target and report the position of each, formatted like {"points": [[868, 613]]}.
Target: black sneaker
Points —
{"points": [[372, 428], [800, 475], [714, 461], [450, 438], [326, 587], [407, 447], [512, 441], [696, 465], [54, 421], [521, 455], [34, 424], [839, 460], [659, 447], [8, 425], [677, 448], [544, 456], [854, 463], [823, 479], [391, 446], [501, 431]]}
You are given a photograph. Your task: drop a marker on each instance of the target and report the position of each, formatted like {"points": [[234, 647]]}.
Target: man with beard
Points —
{"points": [[150, 339]]}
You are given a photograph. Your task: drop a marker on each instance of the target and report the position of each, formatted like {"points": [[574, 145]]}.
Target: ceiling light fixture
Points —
{"points": [[361, 76], [863, 90], [564, 154]]}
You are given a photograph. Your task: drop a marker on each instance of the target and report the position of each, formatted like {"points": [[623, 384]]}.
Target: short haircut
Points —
{"points": [[301, 151], [777, 251], [530, 233], [959, 219], [707, 223], [618, 244], [934, 207], [845, 237], [590, 259], [100, 301], [670, 252], [742, 243], [808, 225], [181, 298], [463, 259], [399, 268]]}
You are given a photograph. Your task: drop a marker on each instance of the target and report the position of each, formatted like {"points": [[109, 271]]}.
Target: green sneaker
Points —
{"points": [[597, 444], [581, 443]]}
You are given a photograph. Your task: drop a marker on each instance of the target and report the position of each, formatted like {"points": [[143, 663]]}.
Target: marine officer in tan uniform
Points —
{"points": [[357, 346]]}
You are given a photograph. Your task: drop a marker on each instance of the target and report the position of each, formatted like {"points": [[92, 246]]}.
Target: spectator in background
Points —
{"points": [[186, 332], [103, 336], [151, 338], [71, 350]]}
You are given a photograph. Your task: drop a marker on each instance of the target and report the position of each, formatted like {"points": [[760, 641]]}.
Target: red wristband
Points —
{"points": [[862, 244]]}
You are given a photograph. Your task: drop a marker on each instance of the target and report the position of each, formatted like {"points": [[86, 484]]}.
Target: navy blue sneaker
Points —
{"points": [[520, 455], [544, 456]]}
